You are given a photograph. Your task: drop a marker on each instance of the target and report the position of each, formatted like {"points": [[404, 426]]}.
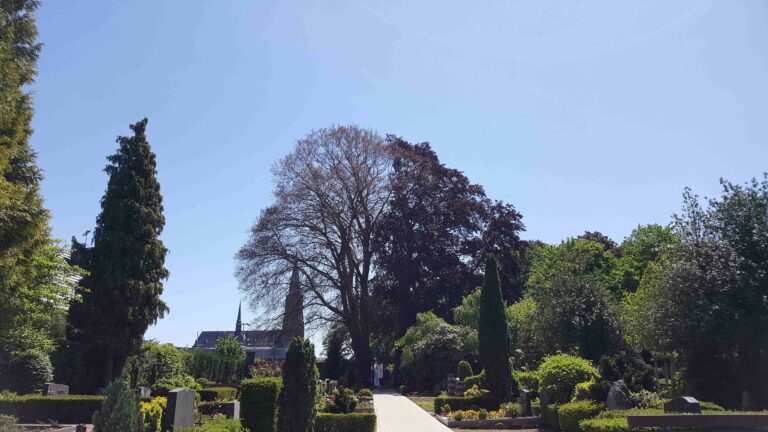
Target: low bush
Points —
{"points": [[606, 425], [355, 422], [549, 417], [28, 371], [218, 424], [464, 370], [645, 399], [163, 386], [151, 414], [365, 394], [570, 414], [211, 408], [8, 424], [258, 403], [559, 374], [63, 409], [458, 403], [344, 401], [510, 409], [710, 406], [478, 380], [218, 394], [473, 391]]}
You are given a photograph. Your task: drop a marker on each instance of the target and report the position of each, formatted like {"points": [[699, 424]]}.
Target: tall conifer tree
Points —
{"points": [[121, 296], [297, 399], [492, 334], [33, 274]]}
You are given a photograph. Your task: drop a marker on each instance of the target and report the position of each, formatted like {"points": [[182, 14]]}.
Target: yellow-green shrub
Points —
{"points": [[152, 414], [570, 414]]}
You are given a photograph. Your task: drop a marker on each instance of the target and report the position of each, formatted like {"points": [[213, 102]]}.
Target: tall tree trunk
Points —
{"points": [[361, 347]]}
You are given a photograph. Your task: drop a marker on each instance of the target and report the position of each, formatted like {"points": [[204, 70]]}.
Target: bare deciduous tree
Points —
{"points": [[329, 195]]}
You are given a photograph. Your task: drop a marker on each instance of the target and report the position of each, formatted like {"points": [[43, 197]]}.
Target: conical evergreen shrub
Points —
{"points": [[492, 334], [297, 400], [119, 412]]}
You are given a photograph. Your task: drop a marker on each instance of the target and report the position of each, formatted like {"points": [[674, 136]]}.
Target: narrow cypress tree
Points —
{"points": [[121, 296], [297, 399], [492, 334], [119, 411]]}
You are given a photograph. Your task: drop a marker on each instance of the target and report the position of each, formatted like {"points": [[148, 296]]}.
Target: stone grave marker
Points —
{"points": [[232, 409], [683, 404], [618, 397], [53, 389], [143, 392], [525, 403], [180, 410]]}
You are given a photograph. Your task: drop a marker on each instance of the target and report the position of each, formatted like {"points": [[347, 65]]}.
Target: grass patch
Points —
{"points": [[424, 402]]}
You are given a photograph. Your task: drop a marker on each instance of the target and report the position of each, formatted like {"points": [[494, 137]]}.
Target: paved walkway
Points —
{"points": [[396, 413]]}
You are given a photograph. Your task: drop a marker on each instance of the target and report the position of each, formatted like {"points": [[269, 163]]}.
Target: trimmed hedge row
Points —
{"points": [[354, 422], [217, 393], [570, 414], [63, 409], [211, 407], [258, 403], [464, 403]]}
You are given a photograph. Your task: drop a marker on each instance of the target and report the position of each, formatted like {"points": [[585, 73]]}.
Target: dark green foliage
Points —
{"points": [[335, 363], [211, 407], [121, 296], [297, 400], [258, 403], [365, 394], [528, 380], [464, 370], [154, 362], [216, 367], [629, 366], [163, 386], [119, 412], [570, 414], [493, 336], [28, 371], [356, 422], [430, 350], [464, 403], [344, 401], [64, 409], [478, 380], [218, 394]]}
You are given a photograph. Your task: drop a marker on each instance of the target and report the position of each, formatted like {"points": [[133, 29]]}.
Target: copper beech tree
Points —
{"points": [[330, 192]]}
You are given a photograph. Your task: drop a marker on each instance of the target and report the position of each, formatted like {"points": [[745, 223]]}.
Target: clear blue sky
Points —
{"points": [[587, 115]]}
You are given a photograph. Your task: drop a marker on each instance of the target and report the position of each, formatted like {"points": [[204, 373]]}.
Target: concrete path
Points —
{"points": [[396, 413]]}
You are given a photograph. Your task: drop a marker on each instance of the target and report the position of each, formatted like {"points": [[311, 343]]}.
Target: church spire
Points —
{"points": [[239, 323], [293, 316]]}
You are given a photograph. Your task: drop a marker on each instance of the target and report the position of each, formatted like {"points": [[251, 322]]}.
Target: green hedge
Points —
{"points": [[570, 414], [464, 403], [63, 409], [211, 407], [258, 403], [218, 393], [606, 425], [354, 422]]}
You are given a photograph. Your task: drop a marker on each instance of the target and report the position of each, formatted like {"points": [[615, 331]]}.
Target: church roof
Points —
{"points": [[248, 338]]}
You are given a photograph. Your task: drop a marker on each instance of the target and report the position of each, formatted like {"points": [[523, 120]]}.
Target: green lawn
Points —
{"points": [[424, 402]]}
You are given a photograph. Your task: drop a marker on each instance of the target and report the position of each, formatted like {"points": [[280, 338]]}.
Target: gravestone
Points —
{"points": [[143, 392], [683, 404], [451, 384], [332, 386], [53, 389], [180, 410], [232, 409], [618, 397], [525, 403]]}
